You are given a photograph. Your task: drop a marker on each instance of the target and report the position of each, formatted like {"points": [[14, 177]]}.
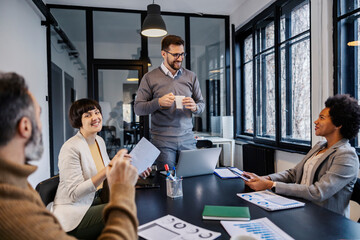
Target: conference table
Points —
{"points": [[309, 222]]}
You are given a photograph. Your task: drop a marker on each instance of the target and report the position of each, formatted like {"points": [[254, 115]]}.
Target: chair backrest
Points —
{"points": [[47, 189], [356, 192], [204, 144]]}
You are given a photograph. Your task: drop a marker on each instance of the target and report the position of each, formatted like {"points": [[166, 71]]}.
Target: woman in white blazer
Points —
{"points": [[82, 169], [327, 174]]}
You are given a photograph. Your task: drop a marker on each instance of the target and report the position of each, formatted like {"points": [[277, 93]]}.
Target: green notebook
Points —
{"points": [[225, 213]]}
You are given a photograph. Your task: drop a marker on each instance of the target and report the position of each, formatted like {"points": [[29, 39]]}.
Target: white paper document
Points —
{"points": [[270, 201], [143, 155], [230, 172], [260, 229], [170, 227], [226, 173]]}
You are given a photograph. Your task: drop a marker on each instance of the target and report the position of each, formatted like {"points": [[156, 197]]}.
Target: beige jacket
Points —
{"points": [[76, 190]]}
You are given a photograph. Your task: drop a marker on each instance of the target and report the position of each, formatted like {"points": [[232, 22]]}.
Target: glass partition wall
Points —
{"points": [[108, 57]]}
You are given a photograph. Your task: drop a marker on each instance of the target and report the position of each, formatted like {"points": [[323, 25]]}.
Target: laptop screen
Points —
{"points": [[197, 162]]}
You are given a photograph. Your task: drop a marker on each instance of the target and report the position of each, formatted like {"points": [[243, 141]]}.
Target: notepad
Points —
{"points": [[261, 228], [270, 201], [212, 212], [230, 172], [143, 155]]}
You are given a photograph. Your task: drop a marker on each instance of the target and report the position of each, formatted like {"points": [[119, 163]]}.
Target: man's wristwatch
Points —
{"points": [[273, 187]]}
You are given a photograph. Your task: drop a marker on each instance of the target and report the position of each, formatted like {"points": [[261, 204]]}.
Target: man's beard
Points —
{"points": [[172, 65], [34, 148]]}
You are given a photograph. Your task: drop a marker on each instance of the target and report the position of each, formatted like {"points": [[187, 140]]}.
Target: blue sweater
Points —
{"points": [[168, 122]]}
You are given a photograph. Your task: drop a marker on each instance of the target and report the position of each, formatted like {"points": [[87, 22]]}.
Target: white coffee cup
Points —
{"points": [[178, 101]]}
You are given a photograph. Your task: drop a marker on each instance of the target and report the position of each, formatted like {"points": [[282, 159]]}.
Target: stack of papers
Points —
{"points": [[261, 228], [143, 155], [170, 227], [229, 172], [225, 213], [270, 201]]}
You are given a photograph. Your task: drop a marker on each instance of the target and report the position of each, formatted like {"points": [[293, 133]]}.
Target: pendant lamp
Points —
{"points": [[154, 25], [132, 76]]}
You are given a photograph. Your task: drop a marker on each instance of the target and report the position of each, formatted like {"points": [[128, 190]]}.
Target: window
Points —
{"points": [[295, 73], [249, 87], [265, 79], [273, 77], [346, 51]]}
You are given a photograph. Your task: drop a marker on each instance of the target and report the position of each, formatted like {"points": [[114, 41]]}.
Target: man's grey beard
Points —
{"points": [[35, 147]]}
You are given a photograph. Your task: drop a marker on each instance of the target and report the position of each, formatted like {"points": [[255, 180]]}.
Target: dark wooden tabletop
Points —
{"points": [[309, 222]]}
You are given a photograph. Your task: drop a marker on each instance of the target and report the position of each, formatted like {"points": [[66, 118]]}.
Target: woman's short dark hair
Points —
{"points": [[344, 112], [78, 108], [171, 39]]}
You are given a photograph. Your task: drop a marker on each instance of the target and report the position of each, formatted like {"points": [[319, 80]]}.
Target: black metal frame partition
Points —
{"points": [[93, 63], [347, 82], [250, 28]]}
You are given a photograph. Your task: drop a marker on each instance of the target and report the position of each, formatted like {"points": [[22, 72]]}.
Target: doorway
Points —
{"points": [[116, 91]]}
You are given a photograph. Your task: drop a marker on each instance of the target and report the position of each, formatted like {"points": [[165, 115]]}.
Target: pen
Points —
{"points": [[174, 171], [168, 173], [170, 176]]}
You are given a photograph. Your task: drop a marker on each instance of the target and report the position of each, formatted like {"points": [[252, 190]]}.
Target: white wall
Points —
{"points": [[23, 50], [247, 11]]}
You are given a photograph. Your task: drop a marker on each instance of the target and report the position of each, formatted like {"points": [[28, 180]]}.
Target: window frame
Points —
{"points": [[239, 96], [351, 85]]}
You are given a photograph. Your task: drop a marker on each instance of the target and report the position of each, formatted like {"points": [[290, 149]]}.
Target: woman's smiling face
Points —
{"points": [[323, 125], [91, 121]]}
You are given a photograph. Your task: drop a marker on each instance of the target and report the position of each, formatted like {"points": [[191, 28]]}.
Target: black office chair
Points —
{"points": [[356, 192], [113, 144], [47, 189], [204, 144]]}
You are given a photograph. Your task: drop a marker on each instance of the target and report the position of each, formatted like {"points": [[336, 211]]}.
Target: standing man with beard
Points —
{"points": [[171, 128], [22, 213]]}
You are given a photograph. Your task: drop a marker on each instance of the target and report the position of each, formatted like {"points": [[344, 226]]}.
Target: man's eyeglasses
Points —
{"points": [[176, 55]]}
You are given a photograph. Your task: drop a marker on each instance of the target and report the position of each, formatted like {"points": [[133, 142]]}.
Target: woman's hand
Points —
{"points": [[258, 183]]}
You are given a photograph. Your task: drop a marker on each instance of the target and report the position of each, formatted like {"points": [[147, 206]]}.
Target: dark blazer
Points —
{"points": [[333, 177]]}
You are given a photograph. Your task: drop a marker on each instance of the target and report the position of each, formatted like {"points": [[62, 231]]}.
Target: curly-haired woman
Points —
{"points": [[327, 174]]}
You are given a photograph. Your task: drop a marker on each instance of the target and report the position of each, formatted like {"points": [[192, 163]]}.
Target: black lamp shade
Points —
{"points": [[154, 25]]}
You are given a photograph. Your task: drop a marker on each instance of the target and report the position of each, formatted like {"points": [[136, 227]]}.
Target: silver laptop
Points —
{"points": [[197, 162]]}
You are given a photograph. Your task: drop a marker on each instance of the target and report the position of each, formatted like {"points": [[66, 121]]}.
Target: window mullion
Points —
{"points": [[288, 79]]}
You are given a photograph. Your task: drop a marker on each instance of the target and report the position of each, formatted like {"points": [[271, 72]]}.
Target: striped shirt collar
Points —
{"points": [[168, 73]]}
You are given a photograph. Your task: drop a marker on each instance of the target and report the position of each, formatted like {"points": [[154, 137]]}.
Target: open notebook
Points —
{"points": [[270, 201]]}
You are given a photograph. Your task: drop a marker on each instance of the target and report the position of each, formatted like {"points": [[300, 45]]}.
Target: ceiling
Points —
{"points": [[220, 7]]}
